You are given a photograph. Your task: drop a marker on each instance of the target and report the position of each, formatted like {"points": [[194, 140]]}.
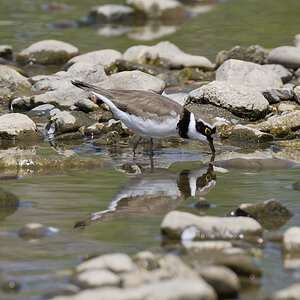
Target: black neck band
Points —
{"points": [[183, 124]]}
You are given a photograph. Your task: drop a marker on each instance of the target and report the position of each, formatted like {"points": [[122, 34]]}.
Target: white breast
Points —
{"points": [[152, 128]]}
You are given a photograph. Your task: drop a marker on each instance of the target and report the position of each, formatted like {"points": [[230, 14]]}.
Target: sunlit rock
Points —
{"points": [[65, 121], [247, 74], [96, 278], [47, 52], [167, 9], [291, 292], [297, 40], [287, 56], [254, 53], [169, 52], [275, 95], [244, 133], [284, 73], [133, 80], [291, 241], [105, 58], [17, 126], [286, 108], [225, 282], [271, 214], [282, 126], [12, 81], [146, 260], [175, 222], [297, 94], [110, 13], [84, 71], [115, 262], [202, 246], [242, 101]]}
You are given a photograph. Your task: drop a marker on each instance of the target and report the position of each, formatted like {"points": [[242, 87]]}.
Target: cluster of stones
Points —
{"points": [[249, 84], [210, 259]]}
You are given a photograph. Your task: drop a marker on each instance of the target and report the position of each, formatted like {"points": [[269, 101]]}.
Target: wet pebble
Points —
{"points": [[33, 231]]}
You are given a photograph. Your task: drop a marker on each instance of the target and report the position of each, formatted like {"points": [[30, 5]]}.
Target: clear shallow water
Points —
{"points": [[141, 201]]}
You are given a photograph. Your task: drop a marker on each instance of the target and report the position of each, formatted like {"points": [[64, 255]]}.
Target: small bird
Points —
{"points": [[153, 116]]}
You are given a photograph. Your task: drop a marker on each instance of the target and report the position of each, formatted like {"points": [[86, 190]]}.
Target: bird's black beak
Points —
{"points": [[211, 144]]}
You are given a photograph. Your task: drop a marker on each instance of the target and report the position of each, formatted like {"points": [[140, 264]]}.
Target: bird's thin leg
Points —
{"points": [[151, 147], [135, 145]]}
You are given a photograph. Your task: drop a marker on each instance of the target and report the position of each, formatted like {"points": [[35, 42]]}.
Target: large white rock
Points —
{"points": [[133, 80], [240, 100], [248, 74], [175, 222], [105, 58], [115, 262], [12, 81], [47, 52], [287, 56], [167, 51], [291, 292], [16, 125]]}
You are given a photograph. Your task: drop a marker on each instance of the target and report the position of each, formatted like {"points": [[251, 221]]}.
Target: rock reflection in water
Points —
{"points": [[153, 191]]}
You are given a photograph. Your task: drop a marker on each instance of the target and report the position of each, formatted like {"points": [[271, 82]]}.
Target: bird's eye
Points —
{"points": [[208, 178], [207, 131]]}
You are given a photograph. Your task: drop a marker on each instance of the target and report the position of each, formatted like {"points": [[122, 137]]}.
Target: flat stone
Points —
{"points": [[244, 133], [175, 222], [275, 95], [291, 241], [240, 100], [115, 262], [41, 111], [255, 165], [200, 246], [105, 58], [222, 279], [87, 105], [96, 278], [174, 289], [12, 81], [169, 52], [287, 56], [47, 52], [17, 126], [247, 74], [133, 80], [33, 231]]}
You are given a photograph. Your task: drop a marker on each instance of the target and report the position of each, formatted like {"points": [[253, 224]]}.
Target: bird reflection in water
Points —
{"points": [[155, 190]]}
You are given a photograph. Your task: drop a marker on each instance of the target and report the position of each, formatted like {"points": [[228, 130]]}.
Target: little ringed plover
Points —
{"points": [[152, 115]]}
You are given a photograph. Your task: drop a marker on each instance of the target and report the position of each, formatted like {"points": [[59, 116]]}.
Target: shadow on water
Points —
{"points": [[154, 190]]}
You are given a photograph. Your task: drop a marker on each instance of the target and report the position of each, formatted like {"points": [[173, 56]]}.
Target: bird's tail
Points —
{"points": [[83, 85]]}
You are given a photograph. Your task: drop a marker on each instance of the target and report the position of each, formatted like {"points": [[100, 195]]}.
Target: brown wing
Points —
{"points": [[140, 103]]}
